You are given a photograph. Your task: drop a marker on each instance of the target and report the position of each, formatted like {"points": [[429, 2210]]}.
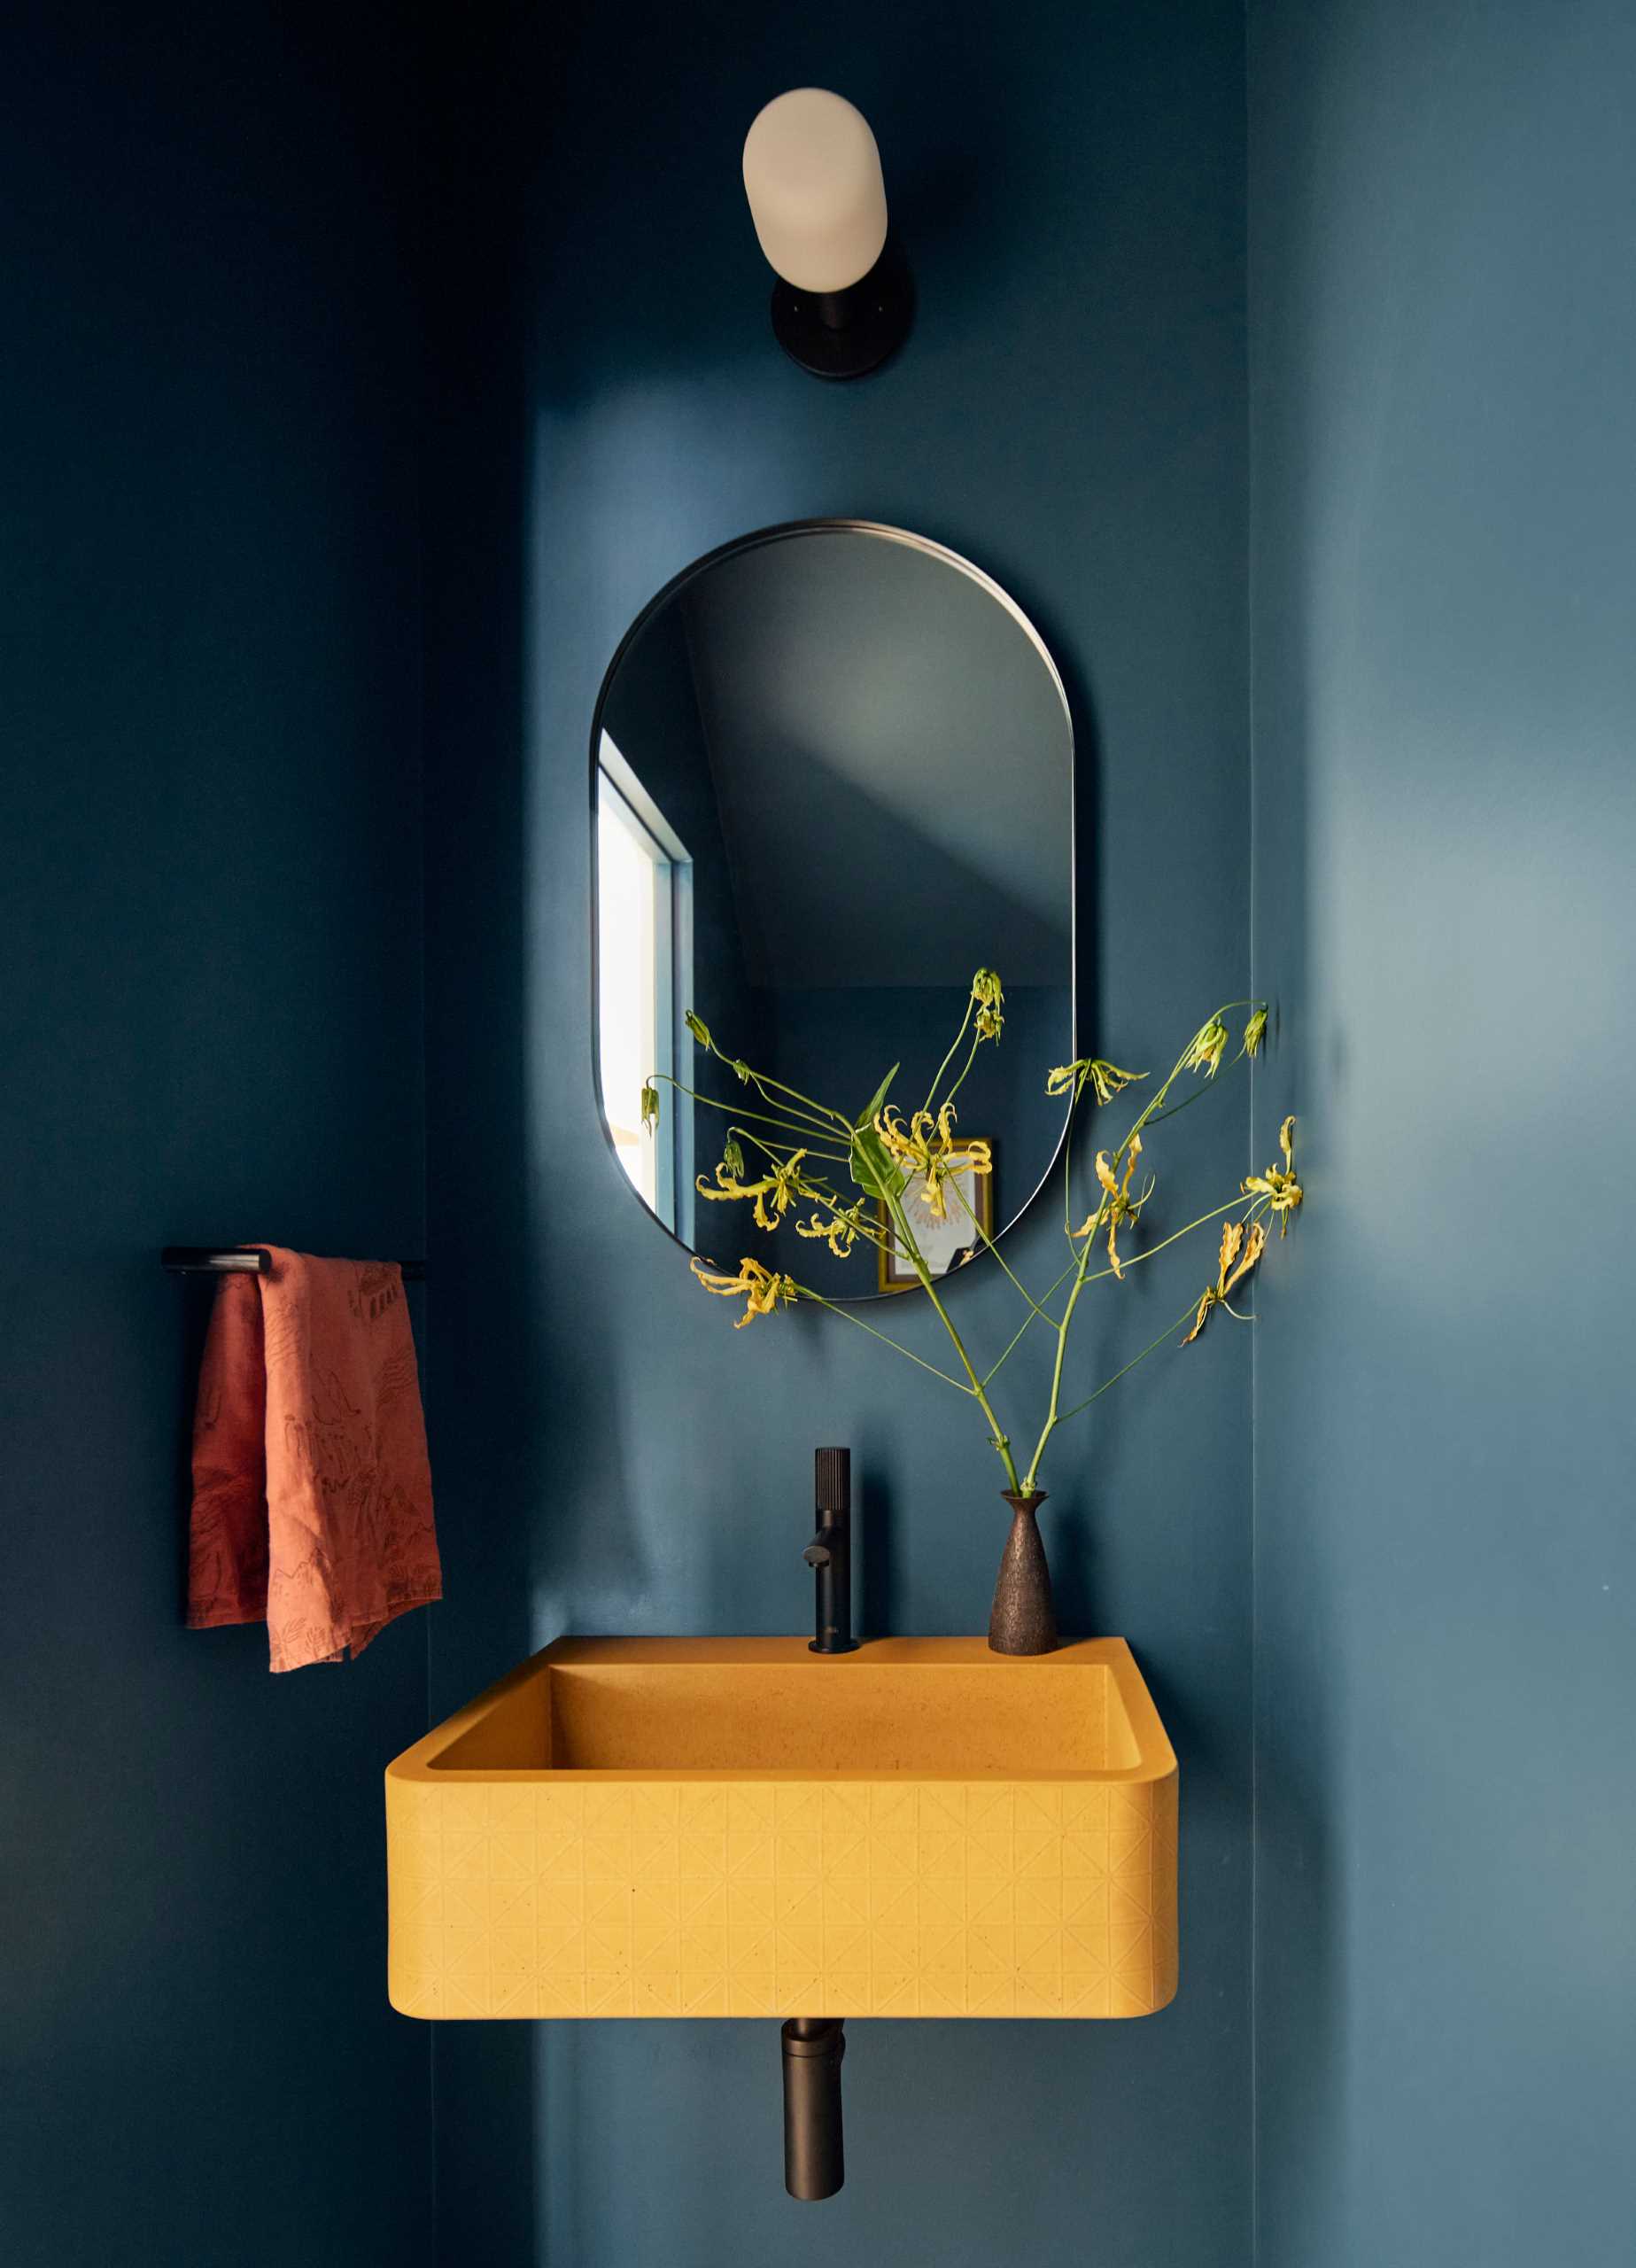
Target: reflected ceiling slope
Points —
{"points": [[892, 764]]}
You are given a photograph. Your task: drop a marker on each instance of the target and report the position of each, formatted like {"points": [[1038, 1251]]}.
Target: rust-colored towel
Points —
{"points": [[312, 1496]]}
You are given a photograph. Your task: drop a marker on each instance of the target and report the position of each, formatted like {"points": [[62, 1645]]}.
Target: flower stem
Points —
{"points": [[1043, 1313], [734, 1110], [1050, 1427], [763, 1079], [991, 1246], [1176, 1236], [931, 1091], [819, 1299], [1151, 1348], [790, 1149], [964, 1072], [1003, 1448]]}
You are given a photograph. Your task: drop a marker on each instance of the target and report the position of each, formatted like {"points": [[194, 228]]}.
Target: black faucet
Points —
{"points": [[829, 1555]]}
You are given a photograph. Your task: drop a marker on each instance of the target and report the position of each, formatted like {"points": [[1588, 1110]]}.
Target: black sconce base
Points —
{"points": [[847, 334]]}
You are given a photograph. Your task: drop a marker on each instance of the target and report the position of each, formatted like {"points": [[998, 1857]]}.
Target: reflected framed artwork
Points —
{"points": [[945, 1243]]}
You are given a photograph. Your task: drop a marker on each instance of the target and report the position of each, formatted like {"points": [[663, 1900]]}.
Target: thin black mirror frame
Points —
{"points": [[787, 532]]}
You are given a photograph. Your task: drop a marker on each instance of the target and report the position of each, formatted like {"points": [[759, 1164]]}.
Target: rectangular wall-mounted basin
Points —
{"points": [[735, 1827]]}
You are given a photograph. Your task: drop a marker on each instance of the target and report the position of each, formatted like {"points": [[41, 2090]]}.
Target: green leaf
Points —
{"points": [[872, 1170], [872, 1110]]}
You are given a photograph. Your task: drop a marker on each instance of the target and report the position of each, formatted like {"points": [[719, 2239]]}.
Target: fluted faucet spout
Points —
{"points": [[829, 1555]]}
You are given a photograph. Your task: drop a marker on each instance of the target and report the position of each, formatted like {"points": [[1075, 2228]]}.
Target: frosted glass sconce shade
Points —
{"points": [[812, 176]]}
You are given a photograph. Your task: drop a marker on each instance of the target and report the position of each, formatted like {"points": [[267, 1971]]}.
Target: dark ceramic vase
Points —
{"points": [[1023, 1619]]}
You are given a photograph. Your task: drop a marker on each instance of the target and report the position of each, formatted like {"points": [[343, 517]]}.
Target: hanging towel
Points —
{"points": [[312, 1496]]}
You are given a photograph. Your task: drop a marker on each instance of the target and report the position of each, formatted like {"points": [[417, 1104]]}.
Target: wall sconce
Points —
{"points": [[843, 300]]}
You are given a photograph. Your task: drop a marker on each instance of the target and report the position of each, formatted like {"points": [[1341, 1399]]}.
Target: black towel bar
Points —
{"points": [[245, 1259]]}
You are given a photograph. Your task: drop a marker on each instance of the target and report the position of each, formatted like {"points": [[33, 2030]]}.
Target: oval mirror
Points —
{"points": [[832, 776]]}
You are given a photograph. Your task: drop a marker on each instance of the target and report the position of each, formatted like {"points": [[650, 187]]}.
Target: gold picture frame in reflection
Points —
{"points": [[945, 1243]]}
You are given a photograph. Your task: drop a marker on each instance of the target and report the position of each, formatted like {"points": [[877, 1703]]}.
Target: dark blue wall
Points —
{"points": [[612, 1455], [1445, 446], [210, 930], [210, 1021]]}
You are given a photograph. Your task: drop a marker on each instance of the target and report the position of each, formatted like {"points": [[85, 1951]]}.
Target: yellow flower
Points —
{"points": [[1108, 1080], [1254, 1033], [928, 1150], [988, 1000], [1241, 1249], [1209, 1046], [1105, 1079], [909, 1146], [915, 1146], [700, 1029], [763, 1292], [1118, 1205], [772, 1195], [1279, 1184], [840, 1231], [966, 1157], [931, 1196], [650, 1106]]}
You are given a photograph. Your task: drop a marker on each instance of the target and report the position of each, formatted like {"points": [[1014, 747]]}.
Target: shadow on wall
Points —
{"points": [[1299, 1741]]}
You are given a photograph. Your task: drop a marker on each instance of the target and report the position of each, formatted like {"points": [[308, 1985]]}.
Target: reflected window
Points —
{"points": [[644, 969]]}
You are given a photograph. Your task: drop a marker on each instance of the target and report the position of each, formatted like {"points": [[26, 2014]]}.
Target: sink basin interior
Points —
{"points": [[765, 1705]]}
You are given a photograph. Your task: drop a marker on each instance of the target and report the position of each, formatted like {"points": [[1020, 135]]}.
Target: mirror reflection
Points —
{"points": [[831, 777]]}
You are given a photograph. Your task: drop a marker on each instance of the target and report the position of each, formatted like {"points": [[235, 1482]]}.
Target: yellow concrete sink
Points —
{"points": [[735, 1827]]}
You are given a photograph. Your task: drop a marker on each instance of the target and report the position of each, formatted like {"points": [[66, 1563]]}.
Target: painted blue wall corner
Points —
{"points": [[1444, 578]]}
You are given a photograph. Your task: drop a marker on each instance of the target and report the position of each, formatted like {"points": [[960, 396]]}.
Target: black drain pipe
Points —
{"points": [[814, 2160]]}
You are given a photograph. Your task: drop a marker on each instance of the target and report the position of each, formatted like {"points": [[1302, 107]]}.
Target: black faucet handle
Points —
{"points": [[817, 1553], [831, 1477]]}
